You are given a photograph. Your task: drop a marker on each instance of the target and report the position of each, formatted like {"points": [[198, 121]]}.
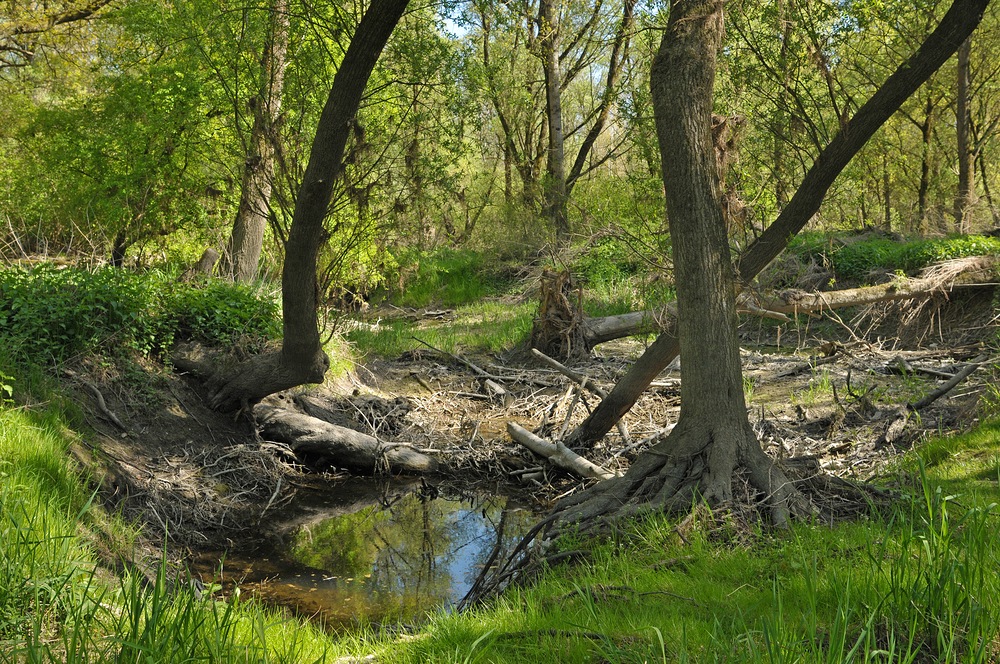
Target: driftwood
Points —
{"points": [[583, 381], [338, 446], [950, 385], [558, 454]]}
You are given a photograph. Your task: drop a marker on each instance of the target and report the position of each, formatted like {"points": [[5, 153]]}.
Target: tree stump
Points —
{"points": [[558, 329]]}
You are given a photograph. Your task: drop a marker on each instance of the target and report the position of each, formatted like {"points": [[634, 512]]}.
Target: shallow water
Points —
{"points": [[368, 551]]}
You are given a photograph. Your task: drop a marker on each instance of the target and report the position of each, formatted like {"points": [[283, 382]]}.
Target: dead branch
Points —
{"points": [[558, 454], [950, 385], [98, 397]]}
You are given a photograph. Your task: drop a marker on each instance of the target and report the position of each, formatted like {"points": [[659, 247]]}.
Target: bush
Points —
{"points": [[857, 260], [48, 315], [610, 260], [447, 277]]}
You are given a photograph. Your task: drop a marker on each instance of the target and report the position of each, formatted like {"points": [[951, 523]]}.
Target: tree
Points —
{"points": [[713, 437], [22, 29], [583, 53], [301, 358], [966, 196], [957, 24], [239, 262]]}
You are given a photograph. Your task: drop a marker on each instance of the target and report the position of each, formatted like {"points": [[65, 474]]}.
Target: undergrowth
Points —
{"points": [[858, 260], [49, 315], [447, 277]]}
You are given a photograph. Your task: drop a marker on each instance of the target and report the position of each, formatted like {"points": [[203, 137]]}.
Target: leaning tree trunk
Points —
{"points": [[301, 358], [957, 24], [242, 254]]}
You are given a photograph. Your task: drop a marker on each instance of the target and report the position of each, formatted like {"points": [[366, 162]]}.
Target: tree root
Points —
{"points": [[237, 387]]}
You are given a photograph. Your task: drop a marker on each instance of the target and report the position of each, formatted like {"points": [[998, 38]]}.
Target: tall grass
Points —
{"points": [[58, 604]]}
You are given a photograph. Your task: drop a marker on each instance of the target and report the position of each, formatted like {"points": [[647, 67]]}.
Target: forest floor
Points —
{"points": [[211, 483]]}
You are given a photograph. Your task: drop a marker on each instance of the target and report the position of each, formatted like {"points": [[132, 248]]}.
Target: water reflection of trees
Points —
{"points": [[415, 554]]}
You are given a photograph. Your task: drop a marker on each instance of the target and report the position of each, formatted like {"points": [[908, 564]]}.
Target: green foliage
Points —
{"points": [[856, 261], [220, 312], [447, 277], [48, 315], [6, 387], [611, 259]]}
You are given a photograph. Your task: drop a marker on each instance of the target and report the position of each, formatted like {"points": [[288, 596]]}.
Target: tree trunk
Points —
{"points": [[243, 250], [713, 438], [555, 185], [955, 27], [965, 198], [926, 133], [301, 358]]}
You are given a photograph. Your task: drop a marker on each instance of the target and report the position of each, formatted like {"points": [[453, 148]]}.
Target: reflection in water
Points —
{"points": [[392, 558]]}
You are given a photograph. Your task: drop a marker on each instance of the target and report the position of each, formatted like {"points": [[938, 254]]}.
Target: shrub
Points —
{"points": [[48, 315], [857, 260]]}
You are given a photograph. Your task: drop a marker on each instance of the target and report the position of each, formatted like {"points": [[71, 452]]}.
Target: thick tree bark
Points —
{"points": [[242, 254], [301, 358], [955, 27]]}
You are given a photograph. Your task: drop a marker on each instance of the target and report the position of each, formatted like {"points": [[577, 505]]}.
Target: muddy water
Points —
{"points": [[363, 551]]}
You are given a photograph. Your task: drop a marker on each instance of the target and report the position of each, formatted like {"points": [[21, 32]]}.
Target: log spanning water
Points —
{"points": [[373, 551]]}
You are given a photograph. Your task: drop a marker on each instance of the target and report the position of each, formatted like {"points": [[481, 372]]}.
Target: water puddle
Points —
{"points": [[366, 551]]}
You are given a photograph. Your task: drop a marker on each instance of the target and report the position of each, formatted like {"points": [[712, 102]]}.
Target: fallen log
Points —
{"points": [[939, 278], [558, 454], [339, 446]]}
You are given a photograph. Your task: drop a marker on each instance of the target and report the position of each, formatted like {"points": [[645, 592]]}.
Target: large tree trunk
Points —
{"points": [[301, 358], [242, 254], [713, 438], [957, 24]]}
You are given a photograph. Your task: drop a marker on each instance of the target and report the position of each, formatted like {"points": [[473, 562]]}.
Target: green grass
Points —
{"points": [[58, 605], [918, 585], [487, 326]]}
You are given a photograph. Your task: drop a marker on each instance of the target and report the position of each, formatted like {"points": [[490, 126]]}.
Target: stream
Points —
{"points": [[372, 551]]}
